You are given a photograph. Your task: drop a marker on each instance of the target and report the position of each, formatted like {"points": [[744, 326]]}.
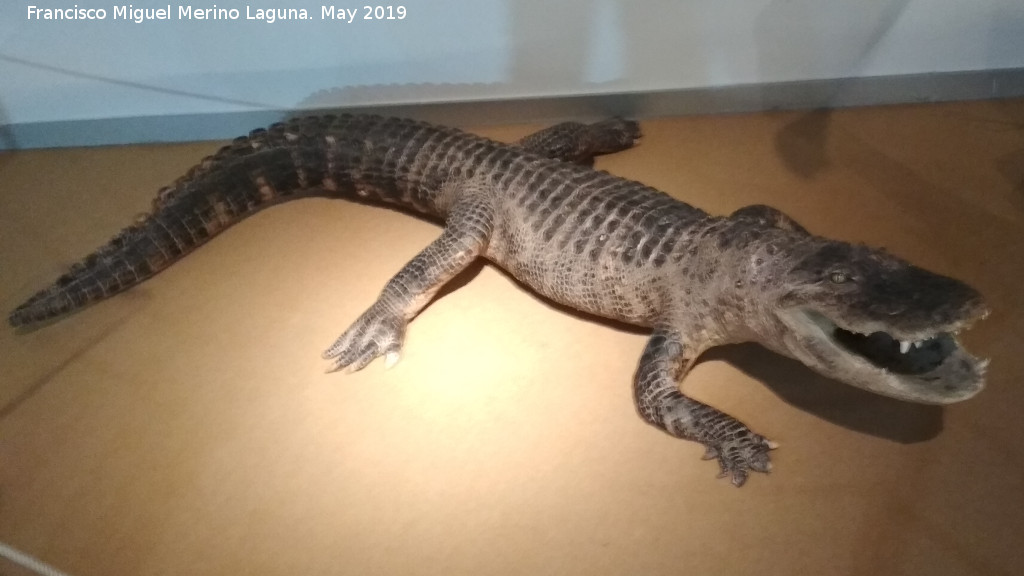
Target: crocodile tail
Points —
{"points": [[267, 167]]}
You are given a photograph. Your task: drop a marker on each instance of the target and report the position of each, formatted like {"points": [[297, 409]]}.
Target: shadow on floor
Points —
{"points": [[831, 400]]}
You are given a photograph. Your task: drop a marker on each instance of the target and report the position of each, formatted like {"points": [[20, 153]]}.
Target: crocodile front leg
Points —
{"points": [[767, 216], [381, 329], [661, 404]]}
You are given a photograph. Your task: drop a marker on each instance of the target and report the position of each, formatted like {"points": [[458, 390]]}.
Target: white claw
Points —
{"points": [[904, 346], [390, 359], [772, 445]]}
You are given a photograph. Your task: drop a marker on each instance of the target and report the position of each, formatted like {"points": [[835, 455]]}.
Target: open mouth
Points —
{"points": [[916, 357], [925, 367]]}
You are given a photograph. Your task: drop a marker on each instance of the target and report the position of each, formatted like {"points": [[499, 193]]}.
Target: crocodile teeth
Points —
{"points": [[906, 345]]}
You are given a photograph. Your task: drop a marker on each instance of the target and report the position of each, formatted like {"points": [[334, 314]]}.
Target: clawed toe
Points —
{"points": [[737, 457], [374, 334]]}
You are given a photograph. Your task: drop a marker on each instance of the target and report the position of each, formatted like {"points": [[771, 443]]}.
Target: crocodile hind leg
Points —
{"points": [[580, 143], [381, 329], [659, 401]]}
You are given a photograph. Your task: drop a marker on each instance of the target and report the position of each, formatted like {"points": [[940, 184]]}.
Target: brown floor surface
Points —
{"points": [[186, 427]]}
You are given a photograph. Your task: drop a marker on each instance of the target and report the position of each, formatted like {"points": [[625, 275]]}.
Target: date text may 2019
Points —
{"points": [[350, 15]]}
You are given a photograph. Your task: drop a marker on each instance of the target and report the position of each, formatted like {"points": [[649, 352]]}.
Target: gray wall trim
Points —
{"points": [[835, 93]]}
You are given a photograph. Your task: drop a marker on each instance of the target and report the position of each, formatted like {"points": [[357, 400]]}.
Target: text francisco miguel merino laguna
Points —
{"points": [[188, 12]]}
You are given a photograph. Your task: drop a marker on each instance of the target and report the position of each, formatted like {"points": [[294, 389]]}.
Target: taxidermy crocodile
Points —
{"points": [[584, 238]]}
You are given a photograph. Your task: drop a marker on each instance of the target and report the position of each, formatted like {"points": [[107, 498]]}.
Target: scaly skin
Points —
{"points": [[592, 241]]}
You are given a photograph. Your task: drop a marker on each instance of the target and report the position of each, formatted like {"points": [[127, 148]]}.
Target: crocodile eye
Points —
{"points": [[838, 277]]}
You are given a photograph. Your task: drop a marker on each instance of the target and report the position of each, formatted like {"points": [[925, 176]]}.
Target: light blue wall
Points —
{"points": [[450, 50]]}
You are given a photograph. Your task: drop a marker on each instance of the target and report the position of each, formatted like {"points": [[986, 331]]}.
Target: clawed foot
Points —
{"points": [[614, 134], [740, 453], [376, 333]]}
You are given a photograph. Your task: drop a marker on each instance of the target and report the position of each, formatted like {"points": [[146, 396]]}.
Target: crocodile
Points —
{"points": [[584, 238]]}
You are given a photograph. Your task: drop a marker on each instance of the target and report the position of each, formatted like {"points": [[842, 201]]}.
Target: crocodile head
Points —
{"points": [[874, 321]]}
